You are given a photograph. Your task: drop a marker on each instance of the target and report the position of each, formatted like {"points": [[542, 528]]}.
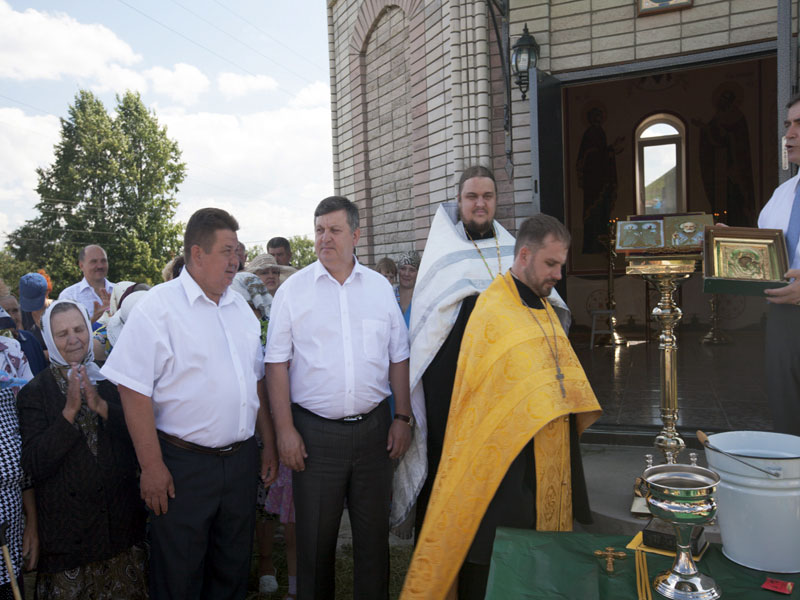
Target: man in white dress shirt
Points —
{"points": [[782, 352], [337, 347], [189, 367], [94, 290]]}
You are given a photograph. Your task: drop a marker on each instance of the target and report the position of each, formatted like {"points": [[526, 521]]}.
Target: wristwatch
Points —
{"points": [[406, 419]]}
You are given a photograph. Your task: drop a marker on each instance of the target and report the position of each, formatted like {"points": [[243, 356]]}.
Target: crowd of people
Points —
{"points": [[151, 434], [84, 505]]}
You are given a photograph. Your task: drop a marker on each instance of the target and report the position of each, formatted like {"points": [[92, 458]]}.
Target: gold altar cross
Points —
{"points": [[609, 555]]}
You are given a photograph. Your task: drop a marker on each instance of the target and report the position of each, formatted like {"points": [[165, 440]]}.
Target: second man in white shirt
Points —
{"points": [[337, 347]]}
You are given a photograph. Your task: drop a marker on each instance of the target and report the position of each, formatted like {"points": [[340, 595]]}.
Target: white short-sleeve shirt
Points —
{"points": [[198, 361], [340, 339]]}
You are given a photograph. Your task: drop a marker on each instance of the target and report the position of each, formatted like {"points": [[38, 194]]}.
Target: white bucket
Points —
{"points": [[759, 515]]}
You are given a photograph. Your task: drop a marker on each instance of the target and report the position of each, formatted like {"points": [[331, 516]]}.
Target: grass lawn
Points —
{"points": [[400, 557]]}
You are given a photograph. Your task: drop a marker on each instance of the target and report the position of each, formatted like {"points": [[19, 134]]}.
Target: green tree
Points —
{"points": [[113, 183], [302, 251], [255, 250], [12, 269]]}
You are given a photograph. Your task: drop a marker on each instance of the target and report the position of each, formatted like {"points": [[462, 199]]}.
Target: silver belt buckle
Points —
{"points": [[225, 449], [353, 418]]}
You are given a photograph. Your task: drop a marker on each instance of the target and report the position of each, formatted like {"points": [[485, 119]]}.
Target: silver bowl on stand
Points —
{"points": [[682, 495]]}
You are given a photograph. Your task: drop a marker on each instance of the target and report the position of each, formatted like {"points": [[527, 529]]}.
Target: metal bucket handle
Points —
{"points": [[769, 471]]}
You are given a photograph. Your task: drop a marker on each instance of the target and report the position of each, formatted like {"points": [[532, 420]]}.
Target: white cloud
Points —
{"points": [[313, 95], [183, 84], [269, 169], [233, 85], [54, 46], [119, 79], [26, 142]]}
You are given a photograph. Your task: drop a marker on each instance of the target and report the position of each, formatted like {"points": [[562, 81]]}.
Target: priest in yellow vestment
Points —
{"points": [[518, 380]]}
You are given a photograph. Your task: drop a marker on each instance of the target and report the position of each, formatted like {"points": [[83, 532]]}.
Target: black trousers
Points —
{"points": [[200, 549], [782, 362], [345, 461]]}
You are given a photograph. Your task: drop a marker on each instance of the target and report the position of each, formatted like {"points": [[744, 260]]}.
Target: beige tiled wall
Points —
{"points": [[415, 152]]}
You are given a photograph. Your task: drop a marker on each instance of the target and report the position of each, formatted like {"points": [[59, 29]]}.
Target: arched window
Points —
{"points": [[660, 165]]}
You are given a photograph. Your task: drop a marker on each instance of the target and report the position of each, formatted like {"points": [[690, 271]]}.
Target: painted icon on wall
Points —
{"points": [[597, 177], [649, 7]]}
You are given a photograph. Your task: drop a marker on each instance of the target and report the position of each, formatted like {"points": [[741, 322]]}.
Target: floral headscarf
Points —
{"points": [[409, 258]]}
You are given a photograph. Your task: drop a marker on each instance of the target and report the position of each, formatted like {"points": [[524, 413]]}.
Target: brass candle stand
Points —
{"points": [[666, 273], [614, 338]]}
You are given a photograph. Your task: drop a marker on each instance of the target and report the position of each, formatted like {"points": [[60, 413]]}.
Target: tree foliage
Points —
{"points": [[113, 183], [12, 269], [302, 251]]}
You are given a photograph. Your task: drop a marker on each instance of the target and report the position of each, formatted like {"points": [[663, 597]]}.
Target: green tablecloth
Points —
{"points": [[562, 566]]}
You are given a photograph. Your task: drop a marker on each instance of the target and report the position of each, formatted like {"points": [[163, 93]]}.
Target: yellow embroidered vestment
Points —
{"points": [[505, 393]]}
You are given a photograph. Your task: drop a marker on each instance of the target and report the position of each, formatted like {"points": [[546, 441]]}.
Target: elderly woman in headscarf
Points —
{"points": [[407, 267], [16, 493], [76, 447]]}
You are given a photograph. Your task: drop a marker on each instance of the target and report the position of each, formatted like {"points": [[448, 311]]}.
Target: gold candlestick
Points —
{"points": [[615, 338], [666, 273]]}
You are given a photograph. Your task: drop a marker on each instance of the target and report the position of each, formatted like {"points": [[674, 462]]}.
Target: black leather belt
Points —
{"points": [[179, 443], [348, 419]]}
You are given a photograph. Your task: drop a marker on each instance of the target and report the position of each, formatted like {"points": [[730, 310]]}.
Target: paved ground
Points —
{"points": [[610, 473], [720, 388]]}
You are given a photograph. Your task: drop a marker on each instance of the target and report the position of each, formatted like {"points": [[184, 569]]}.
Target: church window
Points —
{"points": [[660, 165]]}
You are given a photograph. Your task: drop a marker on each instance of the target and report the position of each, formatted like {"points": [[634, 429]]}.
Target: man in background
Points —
{"points": [[782, 351], [94, 290], [280, 248]]}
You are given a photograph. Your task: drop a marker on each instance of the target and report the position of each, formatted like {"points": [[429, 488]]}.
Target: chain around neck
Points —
{"points": [[483, 258], [552, 347]]}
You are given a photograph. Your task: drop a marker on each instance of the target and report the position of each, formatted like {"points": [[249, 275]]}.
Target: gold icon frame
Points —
{"points": [[744, 260]]}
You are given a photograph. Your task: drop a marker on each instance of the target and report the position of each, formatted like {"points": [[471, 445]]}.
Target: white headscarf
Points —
{"points": [[92, 370]]}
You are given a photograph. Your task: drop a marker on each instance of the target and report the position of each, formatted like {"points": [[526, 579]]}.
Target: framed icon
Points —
{"points": [[650, 7], [686, 231], [639, 236], [744, 260]]}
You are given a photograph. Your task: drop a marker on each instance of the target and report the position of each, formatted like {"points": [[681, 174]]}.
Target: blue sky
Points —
{"points": [[243, 87]]}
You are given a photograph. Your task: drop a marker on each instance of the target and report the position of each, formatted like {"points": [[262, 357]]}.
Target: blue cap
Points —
{"points": [[32, 290]]}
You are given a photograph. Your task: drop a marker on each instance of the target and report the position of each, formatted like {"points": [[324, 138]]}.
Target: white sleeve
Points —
{"points": [[279, 332], [141, 354]]}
